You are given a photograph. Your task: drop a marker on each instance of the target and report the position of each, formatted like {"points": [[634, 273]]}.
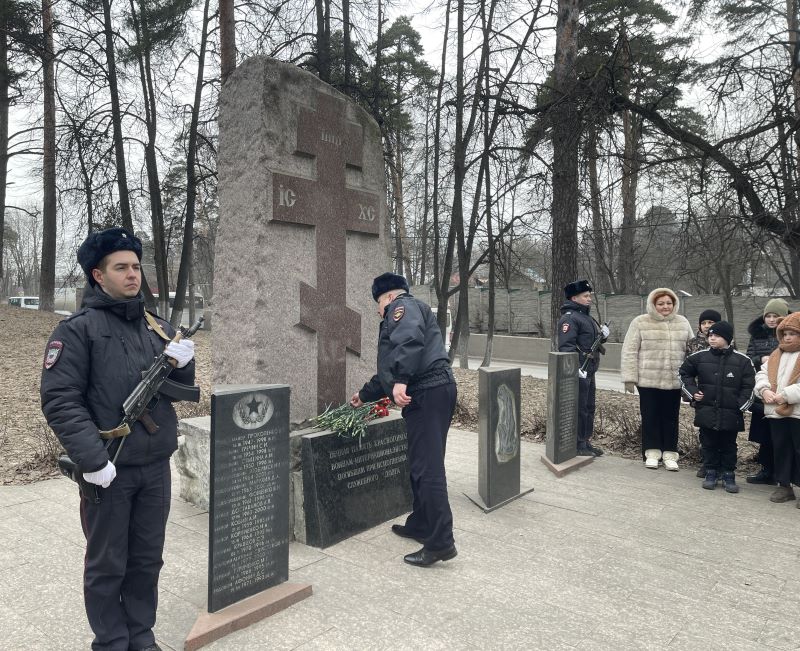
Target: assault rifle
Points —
{"points": [[596, 344], [154, 381]]}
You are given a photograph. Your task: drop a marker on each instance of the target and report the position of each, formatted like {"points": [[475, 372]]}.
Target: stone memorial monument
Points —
{"points": [[301, 236], [562, 415], [248, 540], [498, 438], [348, 485]]}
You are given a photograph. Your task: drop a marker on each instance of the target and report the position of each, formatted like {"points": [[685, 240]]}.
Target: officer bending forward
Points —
{"points": [[94, 359], [413, 368]]}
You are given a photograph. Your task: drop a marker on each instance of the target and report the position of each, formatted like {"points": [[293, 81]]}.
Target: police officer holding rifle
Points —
{"points": [[579, 332], [94, 365]]}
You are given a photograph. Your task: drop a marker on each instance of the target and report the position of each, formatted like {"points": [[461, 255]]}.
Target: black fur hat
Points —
{"points": [[578, 287], [722, 329], [386, 283], [710, 315], [100, 243]]}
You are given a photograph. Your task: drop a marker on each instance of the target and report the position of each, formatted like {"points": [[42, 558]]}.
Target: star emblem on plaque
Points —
{"points": [[253, 410]]}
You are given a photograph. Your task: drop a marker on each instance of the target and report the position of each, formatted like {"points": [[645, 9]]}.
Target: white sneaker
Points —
{"points": [[671, 461], [651, 458]]}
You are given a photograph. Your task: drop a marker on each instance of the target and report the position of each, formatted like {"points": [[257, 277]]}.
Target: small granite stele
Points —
{"points": [[248, 528], [499, 420], [562, 415]]}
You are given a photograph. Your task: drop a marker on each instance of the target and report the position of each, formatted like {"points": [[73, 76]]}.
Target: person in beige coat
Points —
{"points": [[778, 385], [653, 351]]}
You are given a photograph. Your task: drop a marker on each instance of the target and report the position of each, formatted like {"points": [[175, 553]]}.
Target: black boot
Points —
{"points": [[730, 482], [701, 472], [761, 477], [710, 482]]}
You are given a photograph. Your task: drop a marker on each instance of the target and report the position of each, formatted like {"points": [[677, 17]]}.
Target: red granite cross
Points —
{"points": [[333, 209]]}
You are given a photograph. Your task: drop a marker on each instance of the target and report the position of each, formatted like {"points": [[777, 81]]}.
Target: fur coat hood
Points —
{"points": [[655, 346]]}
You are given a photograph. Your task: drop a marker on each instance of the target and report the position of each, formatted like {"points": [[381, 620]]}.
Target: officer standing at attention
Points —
{"points": [[414, 370], [94, 359], [577, 331]]}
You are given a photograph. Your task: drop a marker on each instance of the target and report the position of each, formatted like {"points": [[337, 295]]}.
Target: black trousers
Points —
{"points": [[586, 409], [659, 409], [427, 421], [761, 434], [786, 440], [719, 449], [124, 546]]}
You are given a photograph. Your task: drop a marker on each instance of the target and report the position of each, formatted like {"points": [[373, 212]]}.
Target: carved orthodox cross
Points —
{"points": [[332, 209]]}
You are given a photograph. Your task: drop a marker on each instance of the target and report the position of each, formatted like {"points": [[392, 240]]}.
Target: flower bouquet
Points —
{"points": [[351, 422]]}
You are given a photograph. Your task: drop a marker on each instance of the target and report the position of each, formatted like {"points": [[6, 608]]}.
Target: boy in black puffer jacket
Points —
{"points": [[720, 382], [762, 342]]}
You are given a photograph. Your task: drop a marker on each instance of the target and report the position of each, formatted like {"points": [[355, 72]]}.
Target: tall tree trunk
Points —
{"points": [[191, 181], [348, 55], [487, 144], [425, 197], [404, 246], [566, 133], [323, 9], [142, 31], [630, 180], [116, 119], [441, 275], [604, 277], [47, 279], [227, 39], [4, 103], [461, 328]]}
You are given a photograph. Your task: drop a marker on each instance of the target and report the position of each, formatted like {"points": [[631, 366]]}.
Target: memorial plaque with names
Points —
{"points": [[249, 492], [350, 486], [562, 407]]}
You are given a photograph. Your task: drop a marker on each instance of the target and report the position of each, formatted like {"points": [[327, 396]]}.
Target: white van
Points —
{"points": [[27, 302], [449, 328]]}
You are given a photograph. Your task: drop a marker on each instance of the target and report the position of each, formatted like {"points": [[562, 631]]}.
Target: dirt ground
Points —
{"points": [[28, 447]]}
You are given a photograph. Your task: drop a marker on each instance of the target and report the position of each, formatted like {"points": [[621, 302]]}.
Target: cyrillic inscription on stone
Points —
{"points": [[249, 492], [562, 407], [351, 486], [333, 209]]}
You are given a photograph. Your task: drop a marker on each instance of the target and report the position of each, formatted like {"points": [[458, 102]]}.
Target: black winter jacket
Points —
{"points": [[410, 350], [762, 341], [726, 378], [100, 353], [577, 331]]}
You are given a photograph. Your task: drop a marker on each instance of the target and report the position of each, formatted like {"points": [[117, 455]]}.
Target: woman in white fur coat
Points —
{"points": [[653, 351]]}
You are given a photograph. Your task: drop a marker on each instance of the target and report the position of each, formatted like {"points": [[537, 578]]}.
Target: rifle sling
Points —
{"points": [[117, 432]]}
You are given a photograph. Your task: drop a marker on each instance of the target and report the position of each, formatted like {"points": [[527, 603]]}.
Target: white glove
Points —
{"points": [[604, 331], [102, 477], [181, 351], [582, 374]]}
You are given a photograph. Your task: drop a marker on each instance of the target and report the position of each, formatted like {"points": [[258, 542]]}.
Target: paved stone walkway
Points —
{"points": [[613, 556]]}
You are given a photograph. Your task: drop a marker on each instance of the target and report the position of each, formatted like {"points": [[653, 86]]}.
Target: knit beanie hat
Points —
{"points": [[722, 329], [776, 306], [709, 315]]}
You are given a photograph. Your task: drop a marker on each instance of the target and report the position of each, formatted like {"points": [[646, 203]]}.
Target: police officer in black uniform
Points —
{"points": [[93, 361], [414, 370], [577, 331]]}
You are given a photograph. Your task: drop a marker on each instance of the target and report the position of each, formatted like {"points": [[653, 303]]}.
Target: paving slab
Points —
{"points": [[612, 557]]}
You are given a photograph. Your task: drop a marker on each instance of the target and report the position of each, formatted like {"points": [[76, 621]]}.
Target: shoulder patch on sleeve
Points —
{"points": [[565, 327], [398, 313], [52, 354]]}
